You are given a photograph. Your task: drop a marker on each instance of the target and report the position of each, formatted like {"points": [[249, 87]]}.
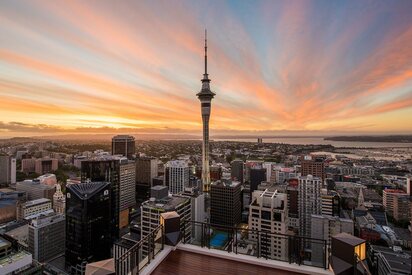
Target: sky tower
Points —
{"points": [[205, 96]]}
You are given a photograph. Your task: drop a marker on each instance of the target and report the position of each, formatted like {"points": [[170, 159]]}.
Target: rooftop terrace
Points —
{"points": [[184, 262]]}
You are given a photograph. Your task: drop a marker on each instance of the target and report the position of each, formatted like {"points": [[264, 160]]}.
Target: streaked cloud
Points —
{"points": [[299, 66]]}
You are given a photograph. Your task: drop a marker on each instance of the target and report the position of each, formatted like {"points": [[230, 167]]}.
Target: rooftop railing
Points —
{"points": [[260, 244], [134, 259]]}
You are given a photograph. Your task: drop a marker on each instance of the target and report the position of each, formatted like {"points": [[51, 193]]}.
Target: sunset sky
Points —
{"points": [[276, 66]]}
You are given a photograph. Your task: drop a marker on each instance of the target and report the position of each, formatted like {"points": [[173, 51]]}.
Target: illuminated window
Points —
{"points": [[360, 250]]}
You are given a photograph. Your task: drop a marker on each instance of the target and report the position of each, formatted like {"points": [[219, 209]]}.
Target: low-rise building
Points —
{"points": [[28, 165], [385, 260], [46, 165], [12, 260], [30, 209], [48, 179], [8, 210], [36, 190]]}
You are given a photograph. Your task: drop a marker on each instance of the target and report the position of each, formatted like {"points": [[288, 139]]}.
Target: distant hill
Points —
{"points": [[394, 138], [108, 137]]}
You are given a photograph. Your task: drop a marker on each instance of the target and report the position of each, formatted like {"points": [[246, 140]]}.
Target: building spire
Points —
{"points": [[205, 76]]}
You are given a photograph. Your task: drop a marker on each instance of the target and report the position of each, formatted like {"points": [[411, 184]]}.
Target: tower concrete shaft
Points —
{"points": [[205, 154], [205, 96]]}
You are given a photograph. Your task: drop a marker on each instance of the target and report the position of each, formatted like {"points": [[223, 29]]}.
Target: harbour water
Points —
{"points": [[321, 141]]}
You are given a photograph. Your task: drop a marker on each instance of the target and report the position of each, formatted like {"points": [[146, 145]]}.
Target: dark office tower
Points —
{"points": [[146, 171], [215, 173], [237, 167], [205, 96], [257, 175], [88, 230], [120, 172], [225, 203], [123, 145], [314, 166]]}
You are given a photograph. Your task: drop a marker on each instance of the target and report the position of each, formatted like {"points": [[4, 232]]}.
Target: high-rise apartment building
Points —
{"points": [[177, 173], [36, 190], [314, 166], [237, 170], [88, 224], [205, 96], [146, 171], [47, 236], [124, 145], [268, 212], [225, 203], [310, 202]]}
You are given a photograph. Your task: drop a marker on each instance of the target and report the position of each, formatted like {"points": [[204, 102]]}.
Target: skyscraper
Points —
{"points": [[225, 203], [237, 170], [257, 175], [120, 172], [123, 145], [88, 229], [146, 170], [205, 96]]}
